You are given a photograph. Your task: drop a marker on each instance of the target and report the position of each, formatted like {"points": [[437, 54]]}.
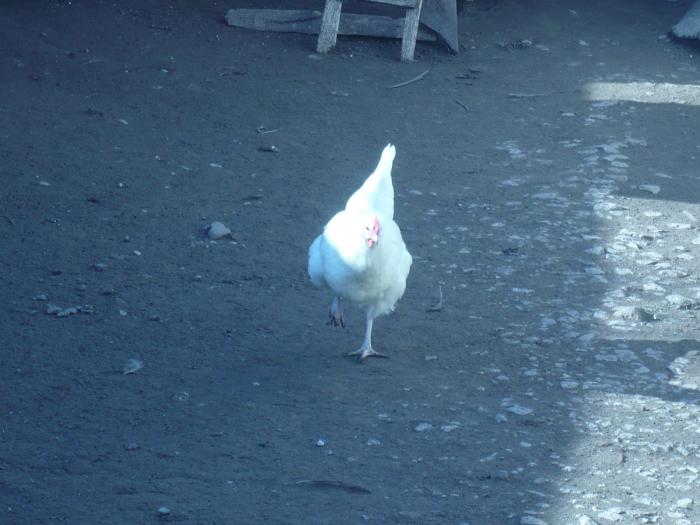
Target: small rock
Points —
{"points": [[651, 188], [532, 520], [41, 297], [684, 503], [163, 511], [586, 520], [59, 311], [449, 427], [320, 442], [181, 396], [422, 427], [522, 44], [132, 365], [679, 301], [613, 514], [217, 230], [519, 410], [99, 267], [372, 442], [633, 313], [71, 310]]}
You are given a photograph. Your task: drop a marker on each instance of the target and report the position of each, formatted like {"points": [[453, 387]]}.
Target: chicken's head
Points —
{"points": [[371, 233]]}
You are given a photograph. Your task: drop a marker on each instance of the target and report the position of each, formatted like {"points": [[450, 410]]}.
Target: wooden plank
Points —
{"points": [[329, 26], [410, 32], [309, 22], [400, 3], [441, 17]]}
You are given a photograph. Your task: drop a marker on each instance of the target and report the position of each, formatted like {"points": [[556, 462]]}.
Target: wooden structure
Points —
{"points": [[331, 20], [309, 22]]}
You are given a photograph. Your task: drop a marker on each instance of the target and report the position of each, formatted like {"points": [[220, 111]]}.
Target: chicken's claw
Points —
{"points": [[336, 317], [363, 353], [334, 320]]}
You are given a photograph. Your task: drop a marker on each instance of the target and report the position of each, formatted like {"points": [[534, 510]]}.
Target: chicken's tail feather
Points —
{"points": [[386, 160]]}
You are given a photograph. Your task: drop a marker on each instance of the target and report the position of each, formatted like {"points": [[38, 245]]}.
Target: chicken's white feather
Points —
{"points": [[373, 275], [377, 192]]}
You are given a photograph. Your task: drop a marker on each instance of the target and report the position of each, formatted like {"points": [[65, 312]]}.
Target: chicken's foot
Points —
{"points": [[336, 317], [366, 349]]}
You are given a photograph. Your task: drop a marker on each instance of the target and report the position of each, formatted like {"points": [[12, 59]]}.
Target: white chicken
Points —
{"points": [[361, 255]]}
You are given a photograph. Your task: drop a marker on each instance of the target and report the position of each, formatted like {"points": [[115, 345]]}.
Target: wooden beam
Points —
{"points": [[309, 22]]}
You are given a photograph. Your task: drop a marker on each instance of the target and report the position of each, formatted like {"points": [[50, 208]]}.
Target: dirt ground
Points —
{"points": [[557, 385]]}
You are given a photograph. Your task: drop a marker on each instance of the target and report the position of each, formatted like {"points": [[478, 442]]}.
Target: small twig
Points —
{"points": [[464, 106], [410, 81], [527, 95], [331, 483], [160, 28], [437, 307]]}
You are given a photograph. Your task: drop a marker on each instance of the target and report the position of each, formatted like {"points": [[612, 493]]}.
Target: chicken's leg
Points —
{"points": [[366, 349], [335, 317]]}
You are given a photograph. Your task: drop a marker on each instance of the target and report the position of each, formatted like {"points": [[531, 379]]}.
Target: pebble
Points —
{"points": [[59, 311], [217, 230], [651, 188], [132, 366], [679, 301], [449, 427], [634, 313], [71, 310], [422, 427], [519, 410], [586, 520], [613, 514], [532, 520], [53, 309], [163, 511], [410, 514]]}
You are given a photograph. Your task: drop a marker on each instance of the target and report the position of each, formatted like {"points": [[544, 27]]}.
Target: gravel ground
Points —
{"points": [[546, 182]]}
